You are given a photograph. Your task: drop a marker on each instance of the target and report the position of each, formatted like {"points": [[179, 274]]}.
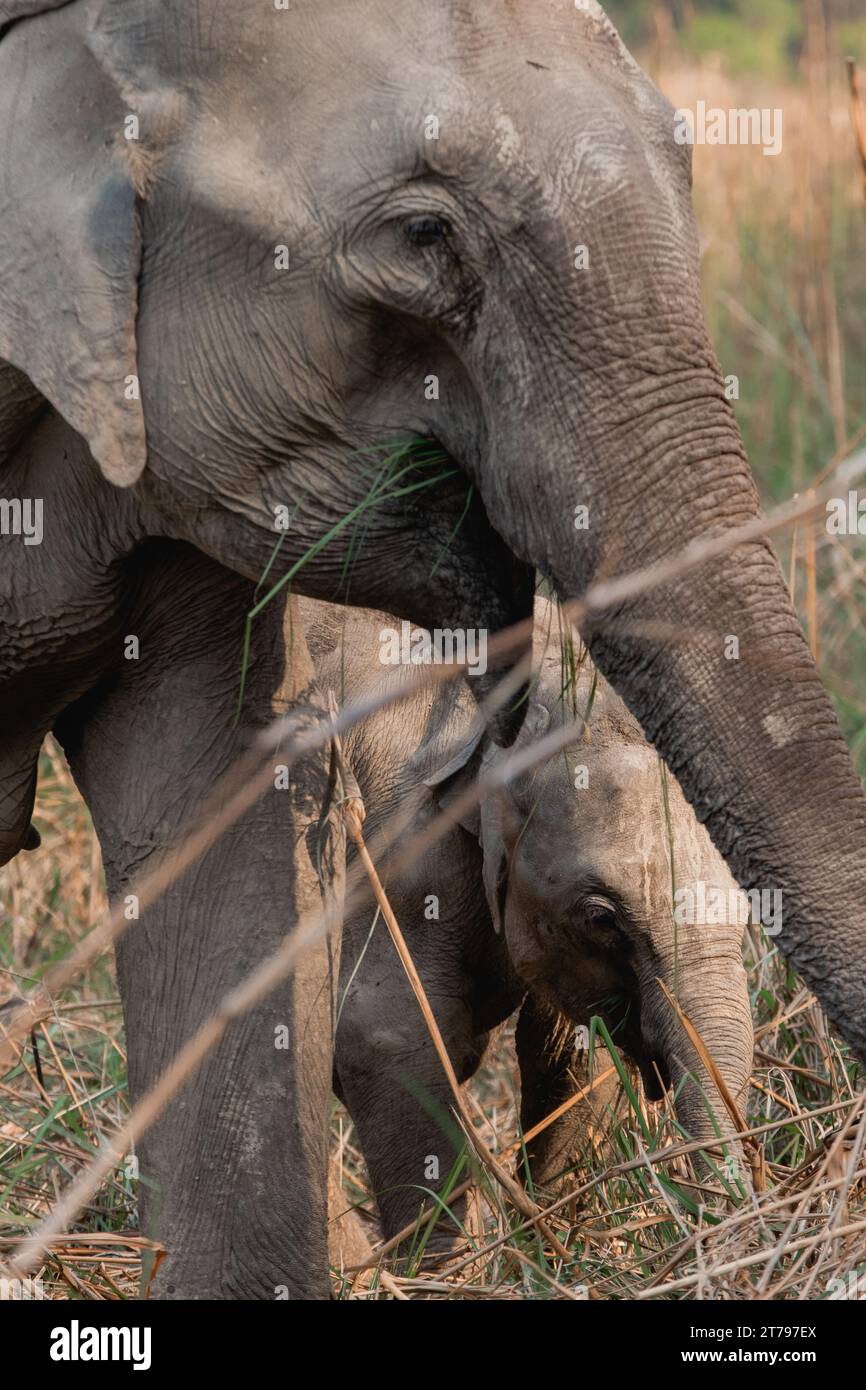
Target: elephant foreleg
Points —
{"points": [[234, 1173], [390, 1078], [552, 1071]]}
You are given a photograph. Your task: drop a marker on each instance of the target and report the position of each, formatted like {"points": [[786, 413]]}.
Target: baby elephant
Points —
{"points": [[555, 896]]}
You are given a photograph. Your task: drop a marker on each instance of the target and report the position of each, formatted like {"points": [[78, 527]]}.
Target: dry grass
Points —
{"points": [[628, 1234], [638, 1229], [47, 1127]]}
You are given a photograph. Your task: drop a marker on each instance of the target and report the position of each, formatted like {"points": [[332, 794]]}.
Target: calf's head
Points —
{"points": [[610, 892]]}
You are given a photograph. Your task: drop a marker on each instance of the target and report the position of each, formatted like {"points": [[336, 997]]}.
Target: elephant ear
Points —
{"points": [[482, 820], [10, 10], [494, 810], [445, 759], [454, 776], [71, 249], [495, 871]]}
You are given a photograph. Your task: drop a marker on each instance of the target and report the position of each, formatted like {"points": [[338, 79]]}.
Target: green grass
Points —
{"points": [[404, 469]]}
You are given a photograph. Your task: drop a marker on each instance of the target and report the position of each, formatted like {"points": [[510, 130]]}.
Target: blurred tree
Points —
{"points": [[763, 36]]}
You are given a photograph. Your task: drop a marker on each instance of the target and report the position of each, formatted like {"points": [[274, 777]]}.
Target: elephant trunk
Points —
{"points": [[708, 983], [733, 702]]}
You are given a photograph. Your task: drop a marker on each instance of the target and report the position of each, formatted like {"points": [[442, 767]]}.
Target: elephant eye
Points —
{"points": [[601, 917], [427, 231]]}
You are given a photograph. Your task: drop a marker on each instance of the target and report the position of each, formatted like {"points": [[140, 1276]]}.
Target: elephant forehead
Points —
{"points": [[653, 833], [209, 39], [615, 816], [318, 96]]}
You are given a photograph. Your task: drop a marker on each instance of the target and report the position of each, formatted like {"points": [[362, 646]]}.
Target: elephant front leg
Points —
{"points": [[233, 1175], [552, 1071], [389, 1076]]}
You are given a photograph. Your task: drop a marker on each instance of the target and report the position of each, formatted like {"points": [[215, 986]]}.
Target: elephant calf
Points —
{"points": [[554, 897]]}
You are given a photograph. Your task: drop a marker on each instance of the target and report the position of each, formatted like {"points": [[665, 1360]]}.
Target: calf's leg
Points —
{"points": [[552, 1070]]}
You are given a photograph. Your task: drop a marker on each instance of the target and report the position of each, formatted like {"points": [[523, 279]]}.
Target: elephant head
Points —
{"points": [[610, 892], [242, 249]]}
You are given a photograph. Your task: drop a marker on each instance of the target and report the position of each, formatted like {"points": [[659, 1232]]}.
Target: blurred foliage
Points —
{"points": [[748, 36], [783, 246]]}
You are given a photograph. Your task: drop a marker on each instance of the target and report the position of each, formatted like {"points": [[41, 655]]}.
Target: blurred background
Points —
{"points": [[784, 269]]}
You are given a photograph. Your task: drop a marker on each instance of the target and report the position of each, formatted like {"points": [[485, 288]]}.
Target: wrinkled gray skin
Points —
{"points": [[153, 259], [552, 898]]}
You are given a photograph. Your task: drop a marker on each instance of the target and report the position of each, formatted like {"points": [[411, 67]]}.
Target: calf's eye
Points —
{"points": [[427, 231], [601, 917]]}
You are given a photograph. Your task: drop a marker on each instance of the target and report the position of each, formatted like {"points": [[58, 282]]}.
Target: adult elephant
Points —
{"points": [[242, 247]]}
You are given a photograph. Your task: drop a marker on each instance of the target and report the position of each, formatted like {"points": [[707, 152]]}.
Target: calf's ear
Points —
{"points": [[501, 808], [495, 859], [70, 257], [453, 779], [481, 820]]}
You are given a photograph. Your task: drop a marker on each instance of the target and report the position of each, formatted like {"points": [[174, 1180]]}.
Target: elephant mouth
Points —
{"points": [[655, 1074], [621, 1013], [620, 1008]]}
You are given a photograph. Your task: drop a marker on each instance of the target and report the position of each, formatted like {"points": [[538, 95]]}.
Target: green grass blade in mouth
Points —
{"points": [[446, 543], [598, 1025], [383, 489]]}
